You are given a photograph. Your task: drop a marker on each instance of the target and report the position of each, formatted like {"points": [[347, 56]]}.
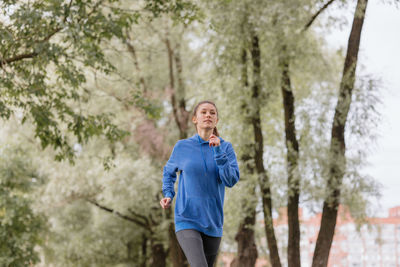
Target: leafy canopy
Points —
{"points": [[48, 49]]}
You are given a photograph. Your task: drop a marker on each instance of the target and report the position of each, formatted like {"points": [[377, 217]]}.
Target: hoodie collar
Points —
{"points": [[200, 140], [196, 138]]}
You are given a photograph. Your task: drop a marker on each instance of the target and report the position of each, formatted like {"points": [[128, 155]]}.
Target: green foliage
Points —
{"points": [[69, 78], [47, 49], [315, 72], [20, 227], [181, 10], [82, 234]]}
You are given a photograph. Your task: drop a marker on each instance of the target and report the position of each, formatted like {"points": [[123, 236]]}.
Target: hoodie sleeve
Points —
{"points": [[169, 173], [227, 165]]}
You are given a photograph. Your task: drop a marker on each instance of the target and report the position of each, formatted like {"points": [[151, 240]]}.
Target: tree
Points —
{"points": [[144, 82], [337, 158], [49, 48], [55, 65], [292, 147], [21, 228], [289, 44], [83, 194]]}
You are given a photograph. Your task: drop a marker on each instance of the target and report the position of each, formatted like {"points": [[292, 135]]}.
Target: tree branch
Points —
{"points": [[29, 55], [122, 216], [45, 39], [132, 50], [17, 58], [144, 218], [314, 17]]}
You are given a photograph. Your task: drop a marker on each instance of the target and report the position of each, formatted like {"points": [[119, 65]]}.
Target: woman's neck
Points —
{"points": [[205, 133]]}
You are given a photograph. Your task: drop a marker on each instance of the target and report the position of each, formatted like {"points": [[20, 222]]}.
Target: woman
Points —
{"points": [[207, 164]]}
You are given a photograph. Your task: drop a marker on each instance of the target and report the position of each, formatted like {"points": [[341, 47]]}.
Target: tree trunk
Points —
{"points": [[176, 254], [132, 51], [181, 116], [338, 147], [158, 255], [144, 251], [140, 257], [178, 102], [292, 156], [258, 154], [268, 223], [247, 249], [180, 92]]}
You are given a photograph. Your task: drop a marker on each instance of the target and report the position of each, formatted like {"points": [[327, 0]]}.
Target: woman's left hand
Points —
{"points": [[214, 140]]}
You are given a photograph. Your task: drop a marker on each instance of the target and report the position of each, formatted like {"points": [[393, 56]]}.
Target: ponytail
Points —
{"points": [[215, 131]]}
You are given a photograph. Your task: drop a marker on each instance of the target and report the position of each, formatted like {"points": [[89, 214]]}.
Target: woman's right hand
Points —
{"points": [[165, 202]]}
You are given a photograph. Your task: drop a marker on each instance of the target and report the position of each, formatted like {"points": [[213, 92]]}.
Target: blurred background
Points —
{"points": [[94, 95]]}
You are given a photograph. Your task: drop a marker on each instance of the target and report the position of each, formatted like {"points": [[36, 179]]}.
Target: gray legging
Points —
{"points": [[200, 249]]}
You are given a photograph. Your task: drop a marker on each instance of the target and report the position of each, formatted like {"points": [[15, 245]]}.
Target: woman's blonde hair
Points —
{"points": [[215, 131]]}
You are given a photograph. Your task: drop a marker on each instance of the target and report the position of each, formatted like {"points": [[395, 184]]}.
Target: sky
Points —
{"points": [[381, 44], [380, 55]]}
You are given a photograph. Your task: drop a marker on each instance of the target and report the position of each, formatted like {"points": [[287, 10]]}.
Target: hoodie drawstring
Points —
{"points": [[202, 155]]}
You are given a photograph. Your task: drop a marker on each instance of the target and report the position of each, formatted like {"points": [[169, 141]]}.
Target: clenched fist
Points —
{"points": [[165, 202], [214, 140]]}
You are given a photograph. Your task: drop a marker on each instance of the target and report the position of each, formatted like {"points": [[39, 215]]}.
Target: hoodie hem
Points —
{"points": [[187, 225]]}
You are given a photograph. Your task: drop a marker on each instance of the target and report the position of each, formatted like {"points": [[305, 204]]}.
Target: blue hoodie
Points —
{"points": [[204, 173]]}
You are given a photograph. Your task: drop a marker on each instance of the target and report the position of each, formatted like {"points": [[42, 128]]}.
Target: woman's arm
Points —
{"points": [[169, 174], [227, 165]]}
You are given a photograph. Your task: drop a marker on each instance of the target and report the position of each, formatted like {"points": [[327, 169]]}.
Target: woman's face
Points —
{"points": [[206, 116]]}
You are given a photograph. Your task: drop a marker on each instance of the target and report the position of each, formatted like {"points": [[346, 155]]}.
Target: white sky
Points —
{"points": [[381, 44], [380, 54]]}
